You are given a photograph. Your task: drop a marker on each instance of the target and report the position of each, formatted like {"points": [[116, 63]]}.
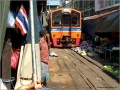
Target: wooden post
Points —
{"points": [[6, 69]]}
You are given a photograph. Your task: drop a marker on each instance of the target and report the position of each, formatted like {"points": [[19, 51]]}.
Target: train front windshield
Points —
{"points": [[69, 19], [57, 18]]}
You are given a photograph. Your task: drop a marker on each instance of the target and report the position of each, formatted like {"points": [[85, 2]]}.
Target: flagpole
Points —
{"points": [[33, 43]]}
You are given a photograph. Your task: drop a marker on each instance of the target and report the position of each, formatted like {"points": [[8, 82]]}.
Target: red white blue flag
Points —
{"points": [[21, 20]]}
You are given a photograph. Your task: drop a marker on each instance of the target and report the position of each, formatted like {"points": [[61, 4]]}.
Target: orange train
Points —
{"points": [[65, 27]]}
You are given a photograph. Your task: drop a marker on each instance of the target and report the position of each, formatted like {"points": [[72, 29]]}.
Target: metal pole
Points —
{"points": [[49, 7], [33, 43], [83, 8]]}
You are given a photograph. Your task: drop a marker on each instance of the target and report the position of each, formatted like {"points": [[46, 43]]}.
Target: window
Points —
{"points": [[57, 16], [75, 18], [104, 4], [117, 1], [66, 19]]}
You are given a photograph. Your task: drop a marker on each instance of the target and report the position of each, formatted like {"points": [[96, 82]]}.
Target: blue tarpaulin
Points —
{"points": [[53, 2], [108, 22], [40, 25]]}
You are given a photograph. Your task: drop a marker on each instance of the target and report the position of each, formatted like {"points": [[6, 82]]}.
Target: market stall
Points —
{"points": [[104, 29]]}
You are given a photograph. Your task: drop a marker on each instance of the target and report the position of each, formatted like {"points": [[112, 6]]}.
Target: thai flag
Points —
{"points": [[21, 20]]}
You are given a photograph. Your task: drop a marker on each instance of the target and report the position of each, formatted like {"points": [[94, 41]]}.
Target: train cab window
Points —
{"points": [[66, 19], [57, 18], [75, 18]]}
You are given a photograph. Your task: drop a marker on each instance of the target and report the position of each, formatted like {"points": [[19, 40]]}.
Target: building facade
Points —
{"points": [[93, 7], [87, 7], [106, 4]]}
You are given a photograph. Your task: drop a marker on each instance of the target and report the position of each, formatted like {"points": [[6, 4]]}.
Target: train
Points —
{"points": [[65, 27]]}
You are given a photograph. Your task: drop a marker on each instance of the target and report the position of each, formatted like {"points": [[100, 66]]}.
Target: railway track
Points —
{"points": [[70, 71]]}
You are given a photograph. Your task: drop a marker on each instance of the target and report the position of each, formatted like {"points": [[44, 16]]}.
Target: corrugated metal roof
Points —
{"points": [[100, 15]]}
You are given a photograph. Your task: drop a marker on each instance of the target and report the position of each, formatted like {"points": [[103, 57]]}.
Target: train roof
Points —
{"points": [[65, 9]]}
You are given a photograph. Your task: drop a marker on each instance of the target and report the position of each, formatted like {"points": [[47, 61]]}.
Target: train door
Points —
{"points": [[66, 27]]}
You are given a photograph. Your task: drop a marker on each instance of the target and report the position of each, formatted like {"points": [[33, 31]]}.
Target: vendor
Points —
{"points": [[114, 40], [116, 36], [97, 40], [83, 37]]}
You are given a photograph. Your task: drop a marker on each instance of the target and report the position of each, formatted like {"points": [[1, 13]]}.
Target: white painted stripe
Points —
{"points": [[65, 31], [24, 30], [24, 15]]}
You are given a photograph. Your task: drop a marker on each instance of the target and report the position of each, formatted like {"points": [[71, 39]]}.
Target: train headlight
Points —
{"points": [[54, 35], [66, 10]]}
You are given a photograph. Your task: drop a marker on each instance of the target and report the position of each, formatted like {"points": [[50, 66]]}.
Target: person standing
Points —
{"points": [[48, 39], [44, 55]]}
